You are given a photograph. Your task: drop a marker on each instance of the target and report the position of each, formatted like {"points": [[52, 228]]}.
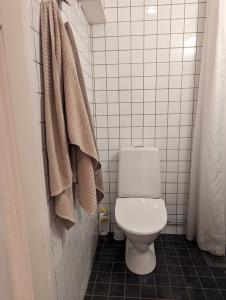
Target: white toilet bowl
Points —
{"points": [[142, 220], [139, 210]]}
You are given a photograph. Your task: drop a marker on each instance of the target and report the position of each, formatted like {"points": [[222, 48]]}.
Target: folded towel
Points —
{"points": [[71, 146]]}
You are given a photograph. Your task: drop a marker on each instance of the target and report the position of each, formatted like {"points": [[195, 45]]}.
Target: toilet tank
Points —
{"points": [[139, 173]]}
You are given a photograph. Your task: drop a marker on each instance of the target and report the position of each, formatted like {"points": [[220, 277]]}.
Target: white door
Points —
{"points": [[15, 275], [25, 253]]}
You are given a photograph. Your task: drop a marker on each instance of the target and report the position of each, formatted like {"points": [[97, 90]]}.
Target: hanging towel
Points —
{"points": [[85, 150], [71, 146]]}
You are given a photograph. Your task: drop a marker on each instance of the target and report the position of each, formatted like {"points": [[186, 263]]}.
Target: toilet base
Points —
{"points": [[140, 262]]}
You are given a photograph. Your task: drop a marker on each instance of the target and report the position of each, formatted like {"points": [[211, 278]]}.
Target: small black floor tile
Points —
{"points": [[101, 289], [199, 261], [180, 245], [159, 251], [116, 290], [208, 282], [160, 269], [203, 271], [103, 277], [182, 252], [92, 277], [108, 249], [110, 242], [166, 237], [174, 270], [223, 293], [221, 282], [97, 257], [177, 281], [189, 270], [118, 257], [99, 250], [160, 259], [213, 294], [164, 292], [171, 260], [192, 281], [166, 244], [118, 278], [195, 252], [132, 278], [118, 267], [196, 294], [148, 292], [99, 298], [95, 266], [179, 237], [170, 252], [180, 293], [162, 280], [185, 261], [120, 249], [105, 267], [218, 272], [132, 291], [107, 257], [148, 279], [89, 289]]}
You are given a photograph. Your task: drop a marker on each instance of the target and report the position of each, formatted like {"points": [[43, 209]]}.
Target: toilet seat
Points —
{"points": [[141, 216]]}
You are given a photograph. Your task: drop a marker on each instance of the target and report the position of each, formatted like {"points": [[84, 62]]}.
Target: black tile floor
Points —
{"points": [[180, 273]]}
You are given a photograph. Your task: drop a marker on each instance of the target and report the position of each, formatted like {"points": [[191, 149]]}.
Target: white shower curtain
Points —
{"points": [[206, 209]]}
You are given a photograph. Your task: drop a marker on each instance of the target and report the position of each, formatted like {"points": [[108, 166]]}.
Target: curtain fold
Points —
{"points": [[207, 197]]}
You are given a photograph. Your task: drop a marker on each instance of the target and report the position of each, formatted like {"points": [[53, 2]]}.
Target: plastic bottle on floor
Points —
{"points": [[103, 221]]}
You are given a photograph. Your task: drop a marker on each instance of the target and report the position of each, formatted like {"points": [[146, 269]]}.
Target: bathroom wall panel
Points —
{"points": [[73, 250], [146, 68]]}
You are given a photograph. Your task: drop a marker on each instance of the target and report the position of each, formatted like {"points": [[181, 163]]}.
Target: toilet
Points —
{"points": [[140, 212]]}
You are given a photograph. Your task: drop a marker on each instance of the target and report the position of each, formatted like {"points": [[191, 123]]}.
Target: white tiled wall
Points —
{"points": [[146, 67], [72, 251]]}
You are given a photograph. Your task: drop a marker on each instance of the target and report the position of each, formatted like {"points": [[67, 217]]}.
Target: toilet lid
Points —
{"points": [[141, 215]]}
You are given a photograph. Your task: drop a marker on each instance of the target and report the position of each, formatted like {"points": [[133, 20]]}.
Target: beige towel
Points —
{"points": [[71, 145], [98, 173]]}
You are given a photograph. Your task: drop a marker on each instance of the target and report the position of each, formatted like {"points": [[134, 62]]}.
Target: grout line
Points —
{"points": [[108, 136], [166, 180], [179, 141], [143, 135], [131, 82]]}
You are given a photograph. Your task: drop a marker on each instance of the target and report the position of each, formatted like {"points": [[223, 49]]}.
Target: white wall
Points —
{"points": [[146, 68], [72, 251]]}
